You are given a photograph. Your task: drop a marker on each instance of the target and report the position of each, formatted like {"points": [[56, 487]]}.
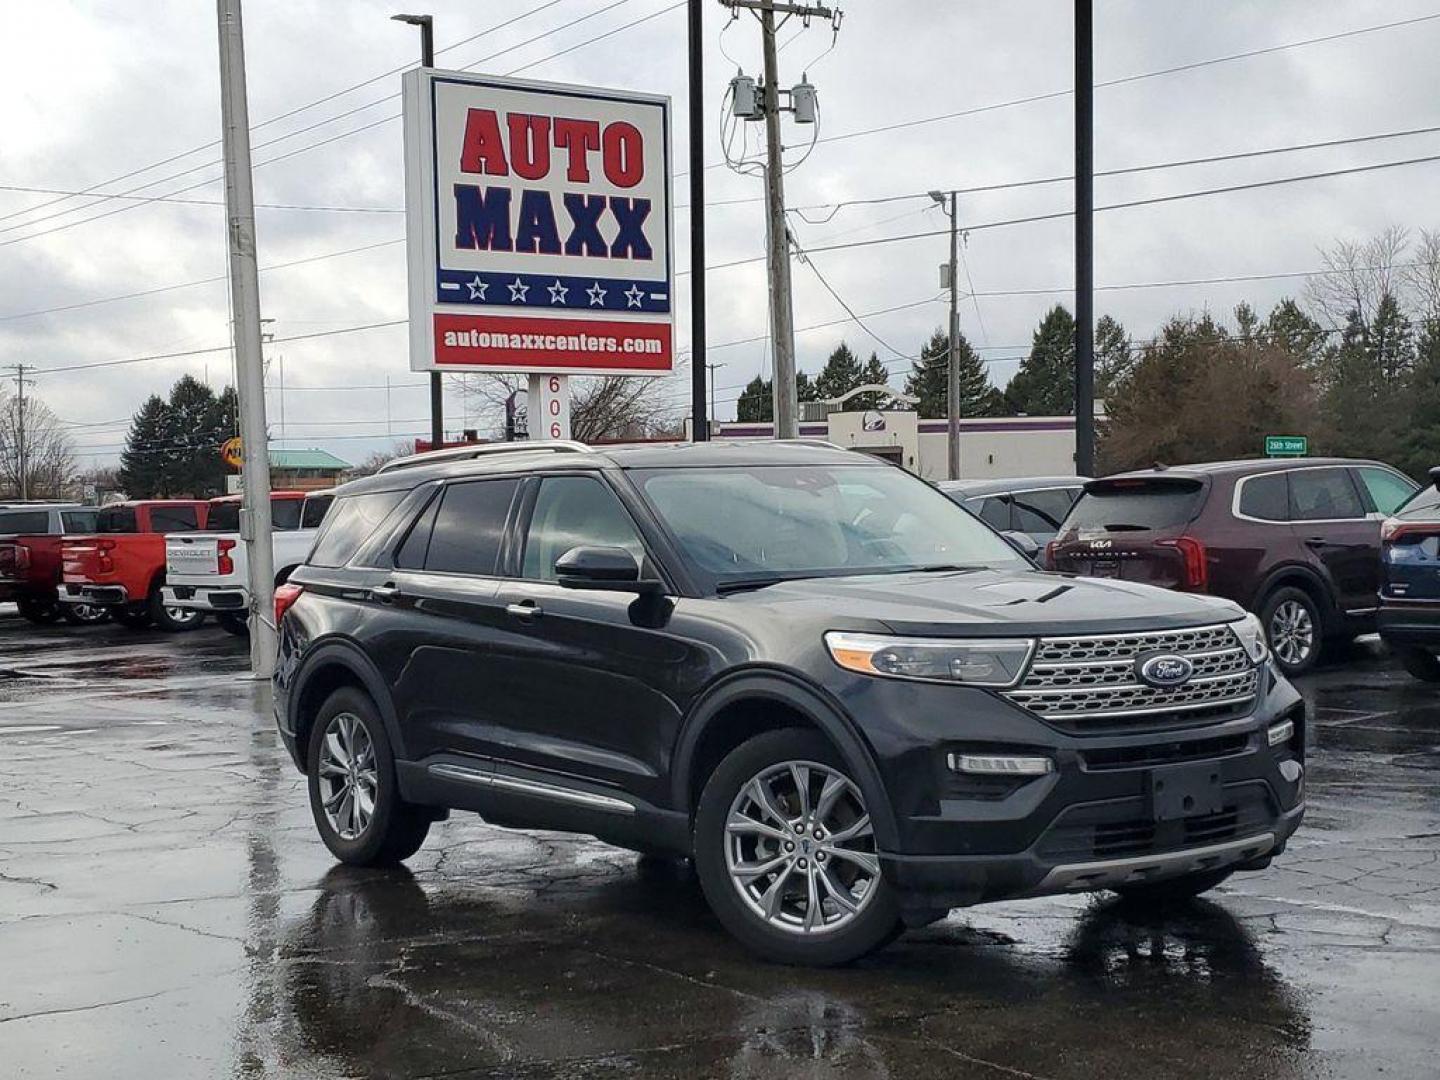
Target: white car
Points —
{"points": [[208, 572]]}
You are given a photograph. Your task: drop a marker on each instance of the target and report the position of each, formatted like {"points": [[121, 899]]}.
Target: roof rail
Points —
{"points": [[465, 453]]}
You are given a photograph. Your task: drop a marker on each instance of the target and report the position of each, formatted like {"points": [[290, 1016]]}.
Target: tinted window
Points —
{"points": [[1134, 505], [1266, 497], [1323, 494], [314, 512], [78, 521], [223, 517], [994, 511], [1041, 512], [25, 521], [116, 519], [285, 513], [170, 519], [350, 524], [1387, 491], [469, 527], [411, 554], [572, 511]]}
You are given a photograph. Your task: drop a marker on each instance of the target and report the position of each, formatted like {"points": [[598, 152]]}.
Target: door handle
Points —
{"points": [[525, 610], [384, 593], [1316, 542]]}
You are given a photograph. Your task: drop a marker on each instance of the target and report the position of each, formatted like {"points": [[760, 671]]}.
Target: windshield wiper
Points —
{"points": [[744, 584], [939, 568]]}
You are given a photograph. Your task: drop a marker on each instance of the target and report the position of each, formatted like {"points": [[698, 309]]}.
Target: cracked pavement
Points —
{"points": [[166, 910]]}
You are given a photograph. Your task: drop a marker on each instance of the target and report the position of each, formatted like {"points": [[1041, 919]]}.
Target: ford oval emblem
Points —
{"points": [[1164, 670]]}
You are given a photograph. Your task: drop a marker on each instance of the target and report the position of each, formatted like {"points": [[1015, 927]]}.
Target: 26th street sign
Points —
{"points": [[1286, 445], [538, 227]]}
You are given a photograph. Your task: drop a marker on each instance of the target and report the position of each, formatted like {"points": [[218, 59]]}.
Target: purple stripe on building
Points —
{"points": [[927, 427]]}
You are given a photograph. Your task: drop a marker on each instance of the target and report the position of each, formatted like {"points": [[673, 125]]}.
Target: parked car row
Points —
{"points": [[145, 562]]}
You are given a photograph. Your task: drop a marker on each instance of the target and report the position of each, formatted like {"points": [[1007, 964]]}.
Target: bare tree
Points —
{"points": [[1422, 276], [377, 458], [49, 459], [601, 409], [1358, 274]]}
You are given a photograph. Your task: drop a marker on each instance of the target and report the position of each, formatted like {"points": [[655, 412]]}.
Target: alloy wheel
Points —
{"points": [[800, 849], [349, 782], [1292, 632]]}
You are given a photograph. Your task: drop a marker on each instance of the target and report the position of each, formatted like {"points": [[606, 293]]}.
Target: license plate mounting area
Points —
{"points": [[1184, 791]]}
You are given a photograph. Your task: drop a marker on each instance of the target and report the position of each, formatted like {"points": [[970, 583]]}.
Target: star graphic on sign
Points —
{"points": [[596, 294], [557, 292], [477, 288], [633, 296], [518, 290]]}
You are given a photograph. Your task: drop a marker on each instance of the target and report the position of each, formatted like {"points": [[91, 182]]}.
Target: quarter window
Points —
{"points": [[350, 524], [1266, 497], [173, 519], [78, 521], [575, 511], [1323, 495], [469, 527], [1041, 511], [1387, 491], [995, 512]]}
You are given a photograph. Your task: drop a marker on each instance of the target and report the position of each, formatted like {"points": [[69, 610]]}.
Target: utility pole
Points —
{"points": [[952, 378], [1084, 240], [21, 449], [782, 326], [245, 296], [437, 395], [712, 368], [699, 418]]}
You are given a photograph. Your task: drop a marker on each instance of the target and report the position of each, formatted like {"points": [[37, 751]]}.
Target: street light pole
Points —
{"points": [[1084, 240], [437, 399], [700, 419]]}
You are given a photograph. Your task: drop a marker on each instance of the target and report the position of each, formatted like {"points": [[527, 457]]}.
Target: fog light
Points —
{"points": [[1281, 732], [1000, 765]]}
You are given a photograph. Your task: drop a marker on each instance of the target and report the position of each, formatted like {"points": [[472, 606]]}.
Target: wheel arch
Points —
{"points": [[749, 703], [1297, 575], [328, 667]]}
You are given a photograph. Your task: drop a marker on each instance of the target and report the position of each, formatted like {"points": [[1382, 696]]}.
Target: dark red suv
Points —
{"points": [[1297, 542]]}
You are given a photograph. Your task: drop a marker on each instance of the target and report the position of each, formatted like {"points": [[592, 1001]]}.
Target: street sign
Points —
{"points": [[232, 452], [1286, 445], [538, 227]]}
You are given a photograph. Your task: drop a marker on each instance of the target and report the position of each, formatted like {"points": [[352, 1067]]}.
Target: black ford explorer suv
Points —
{"points": [[849, 701]]}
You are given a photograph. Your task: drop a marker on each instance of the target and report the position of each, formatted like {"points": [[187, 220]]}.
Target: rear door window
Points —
{"points": [[1387, 491], [285, 513], [78, 521], [223, 517], [351, 522], [1324, 495], [470, 527], [1136, 505], [24, 522], [1041, 512], [1266, 497], [315, 509], [173, 519], [117, 519]]}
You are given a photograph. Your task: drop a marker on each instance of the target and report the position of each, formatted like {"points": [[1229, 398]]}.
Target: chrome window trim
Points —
{"points": [[1370, 515]]}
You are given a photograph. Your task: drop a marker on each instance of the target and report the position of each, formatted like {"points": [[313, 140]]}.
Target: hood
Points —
{"points": [[994, 602]]}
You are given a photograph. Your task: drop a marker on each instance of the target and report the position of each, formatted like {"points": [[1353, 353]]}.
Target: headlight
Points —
{"points": [[973, 661], [1252, 638]]}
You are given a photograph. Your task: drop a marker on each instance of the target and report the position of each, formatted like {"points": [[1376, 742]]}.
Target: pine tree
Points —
{"points": [[1420, 448], [142, 465], [842, 373], [874, 374], [1289, 328], [1114, 359], [196, 469], [805, 389], [928, 380], [756, 402], [1045, 383], [1368, 384]]}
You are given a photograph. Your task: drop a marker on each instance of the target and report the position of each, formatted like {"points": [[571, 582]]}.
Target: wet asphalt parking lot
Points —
{"points": [[166, 911]]}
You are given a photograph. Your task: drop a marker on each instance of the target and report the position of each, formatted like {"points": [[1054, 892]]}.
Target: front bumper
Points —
{"points": [[99, 595], [1091, 823], [202, 598], [1414, 622]]}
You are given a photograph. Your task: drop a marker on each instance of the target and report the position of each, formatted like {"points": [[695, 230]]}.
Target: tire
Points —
{"points": [[1176, 890], [234, 624], [1421, 663], [788, 934], [39, 612], [1294, 629], [134, 616], [85, 614], [394, 829], [173, 620]]}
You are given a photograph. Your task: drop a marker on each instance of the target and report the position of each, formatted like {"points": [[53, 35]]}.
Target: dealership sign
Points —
{"points": [[538, 227]]}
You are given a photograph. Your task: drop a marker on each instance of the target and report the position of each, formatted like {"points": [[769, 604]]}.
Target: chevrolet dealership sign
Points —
{"points": [[538, 227]]}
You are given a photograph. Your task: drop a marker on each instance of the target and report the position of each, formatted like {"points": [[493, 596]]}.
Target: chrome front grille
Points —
{"points": [[1089, 684]]}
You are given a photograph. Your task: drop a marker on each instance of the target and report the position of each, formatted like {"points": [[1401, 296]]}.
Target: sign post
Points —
{"points": [[538, 233], [1287, 445]]}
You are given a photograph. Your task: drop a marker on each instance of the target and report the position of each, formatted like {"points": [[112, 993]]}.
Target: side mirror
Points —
{"points": [[612, 568], [1024, 543]]}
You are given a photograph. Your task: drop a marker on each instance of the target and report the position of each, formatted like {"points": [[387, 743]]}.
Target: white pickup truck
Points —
{"points": [[207, 571]]}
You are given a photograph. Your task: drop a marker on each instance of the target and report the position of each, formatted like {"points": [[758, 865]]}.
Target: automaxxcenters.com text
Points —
{"points": [[479, 339]]}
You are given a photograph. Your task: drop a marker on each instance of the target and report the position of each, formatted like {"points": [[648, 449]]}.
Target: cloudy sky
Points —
{"points": [[114, 95]]}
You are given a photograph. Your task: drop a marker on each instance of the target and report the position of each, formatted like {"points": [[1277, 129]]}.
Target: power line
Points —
{"points": [[213, 202], [276, 119]]}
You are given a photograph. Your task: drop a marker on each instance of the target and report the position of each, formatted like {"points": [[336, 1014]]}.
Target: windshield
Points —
{"points": [[763, 523], [1134, 505]]}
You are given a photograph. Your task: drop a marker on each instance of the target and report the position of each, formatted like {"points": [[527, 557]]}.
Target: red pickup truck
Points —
{"points": [[30, 559], [122, 566]]}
